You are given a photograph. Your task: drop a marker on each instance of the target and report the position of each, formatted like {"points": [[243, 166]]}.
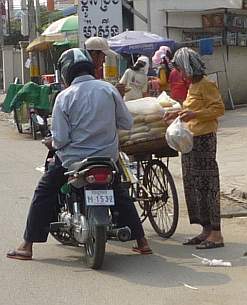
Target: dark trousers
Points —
{"points": [[45, 200]]}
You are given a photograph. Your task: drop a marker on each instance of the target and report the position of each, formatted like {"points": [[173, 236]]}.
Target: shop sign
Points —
{"points": [[99, 18]]}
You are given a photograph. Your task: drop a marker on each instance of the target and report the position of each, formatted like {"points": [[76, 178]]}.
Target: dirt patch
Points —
{"points": [[6, 116]]}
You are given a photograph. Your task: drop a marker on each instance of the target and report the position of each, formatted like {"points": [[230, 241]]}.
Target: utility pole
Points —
{"points": [[1, 44], [34, 69], [24, 18], [148, 16], [37, 15], [145, 19], [9, 16], [1, 24]]}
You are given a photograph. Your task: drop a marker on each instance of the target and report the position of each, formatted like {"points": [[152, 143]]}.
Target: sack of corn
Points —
{"points": [[149, 125], [148, 121]]}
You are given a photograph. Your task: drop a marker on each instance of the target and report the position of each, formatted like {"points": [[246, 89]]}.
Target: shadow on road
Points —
{"points": [[162, 269]]}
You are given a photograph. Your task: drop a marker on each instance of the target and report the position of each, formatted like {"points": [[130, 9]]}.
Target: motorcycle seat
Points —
{"points": [[80, 165]]}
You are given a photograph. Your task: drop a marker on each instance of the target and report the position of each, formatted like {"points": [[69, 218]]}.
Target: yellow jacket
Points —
{"points": [[163, 81], [205, 100]]}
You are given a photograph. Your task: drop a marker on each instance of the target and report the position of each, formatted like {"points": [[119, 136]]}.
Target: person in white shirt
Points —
{"points": [[136, 79]]}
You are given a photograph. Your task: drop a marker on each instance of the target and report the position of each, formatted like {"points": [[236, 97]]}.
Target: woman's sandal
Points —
{"points": [[19, 254], [208, 244], [193, 241]]}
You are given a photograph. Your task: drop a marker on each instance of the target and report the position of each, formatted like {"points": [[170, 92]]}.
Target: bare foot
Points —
{"points": [[215, 236], [23, 252], [142, 247]]}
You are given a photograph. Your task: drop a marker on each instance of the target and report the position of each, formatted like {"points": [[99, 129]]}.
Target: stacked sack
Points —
{"points": [[148, 121]]}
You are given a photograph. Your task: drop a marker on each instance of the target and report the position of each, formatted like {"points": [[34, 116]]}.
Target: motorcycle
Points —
{"points": [[85, 214]]}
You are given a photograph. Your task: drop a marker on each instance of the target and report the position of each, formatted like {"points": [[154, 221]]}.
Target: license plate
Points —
{"points": [[99, 198]]}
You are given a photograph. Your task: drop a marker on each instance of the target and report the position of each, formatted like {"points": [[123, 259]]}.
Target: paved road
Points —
{"points": [[58, 276]]}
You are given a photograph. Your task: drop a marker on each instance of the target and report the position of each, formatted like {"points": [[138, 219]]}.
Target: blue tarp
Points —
{"points": [[139, 42], [206, 46], [70, 10]]}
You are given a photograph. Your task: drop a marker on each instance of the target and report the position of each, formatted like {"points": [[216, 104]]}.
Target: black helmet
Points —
{"points": [[73, 62]]}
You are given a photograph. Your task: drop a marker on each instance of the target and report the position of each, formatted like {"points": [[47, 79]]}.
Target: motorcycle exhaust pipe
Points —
{"points": [[121, 234]]}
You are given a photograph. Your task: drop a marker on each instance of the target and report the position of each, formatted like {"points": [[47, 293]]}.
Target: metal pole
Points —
{"points": [[9, 24], [9, 17], [134, 11], [1, 47], [37, 15], [148, 16], [34, 69], [147, 19], [1, 24]]}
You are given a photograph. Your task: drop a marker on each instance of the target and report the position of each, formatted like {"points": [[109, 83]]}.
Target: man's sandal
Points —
{"points": [[19, 254], [143, 250]]}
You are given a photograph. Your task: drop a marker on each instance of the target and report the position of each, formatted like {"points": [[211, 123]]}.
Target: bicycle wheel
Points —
{"points": [[17, 120], [140, 197], [164, 210]]}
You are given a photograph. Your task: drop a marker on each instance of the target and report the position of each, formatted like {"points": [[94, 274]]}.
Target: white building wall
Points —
{"points": [[11, 65], [200, 5], [17, 63], [157, 16], [236, 63], [236, 66]]}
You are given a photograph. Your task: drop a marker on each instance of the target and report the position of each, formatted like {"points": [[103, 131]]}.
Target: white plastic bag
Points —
{"points": [[168, 103], [213, 262], [144, 106], [179, 137]]}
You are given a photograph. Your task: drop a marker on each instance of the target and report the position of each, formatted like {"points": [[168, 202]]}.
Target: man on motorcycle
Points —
{"points": [[85, 119]]}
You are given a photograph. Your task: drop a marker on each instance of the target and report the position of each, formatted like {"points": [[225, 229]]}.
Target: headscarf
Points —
{"points": [[167, 51], [146, 60], [189, 62], [163, 52]]}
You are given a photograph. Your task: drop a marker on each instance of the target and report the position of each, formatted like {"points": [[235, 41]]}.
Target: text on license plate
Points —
{"points": [[99, 197]]}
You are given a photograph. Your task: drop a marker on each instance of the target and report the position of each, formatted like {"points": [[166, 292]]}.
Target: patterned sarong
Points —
{"points": [[201, 182]]}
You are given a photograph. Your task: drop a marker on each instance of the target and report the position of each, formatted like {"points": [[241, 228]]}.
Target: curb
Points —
{"points": [[234, 206], [231, 193], [239, 194], [236, 195]]}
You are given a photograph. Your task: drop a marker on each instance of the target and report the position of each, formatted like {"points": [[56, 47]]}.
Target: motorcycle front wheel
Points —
{"points": [[95, 246]]}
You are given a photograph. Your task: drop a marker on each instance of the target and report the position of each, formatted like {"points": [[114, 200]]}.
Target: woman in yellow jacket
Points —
{"points": [[201, 110]]}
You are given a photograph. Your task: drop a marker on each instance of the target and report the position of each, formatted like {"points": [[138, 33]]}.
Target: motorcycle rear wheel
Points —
{"points": [[95, 246]]}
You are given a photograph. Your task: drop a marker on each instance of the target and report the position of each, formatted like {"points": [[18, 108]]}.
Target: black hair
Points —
{"points": [[80, 68], [169, 55]]}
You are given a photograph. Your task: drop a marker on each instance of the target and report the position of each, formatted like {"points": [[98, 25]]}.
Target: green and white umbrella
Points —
{"points": [[65, 25]]}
